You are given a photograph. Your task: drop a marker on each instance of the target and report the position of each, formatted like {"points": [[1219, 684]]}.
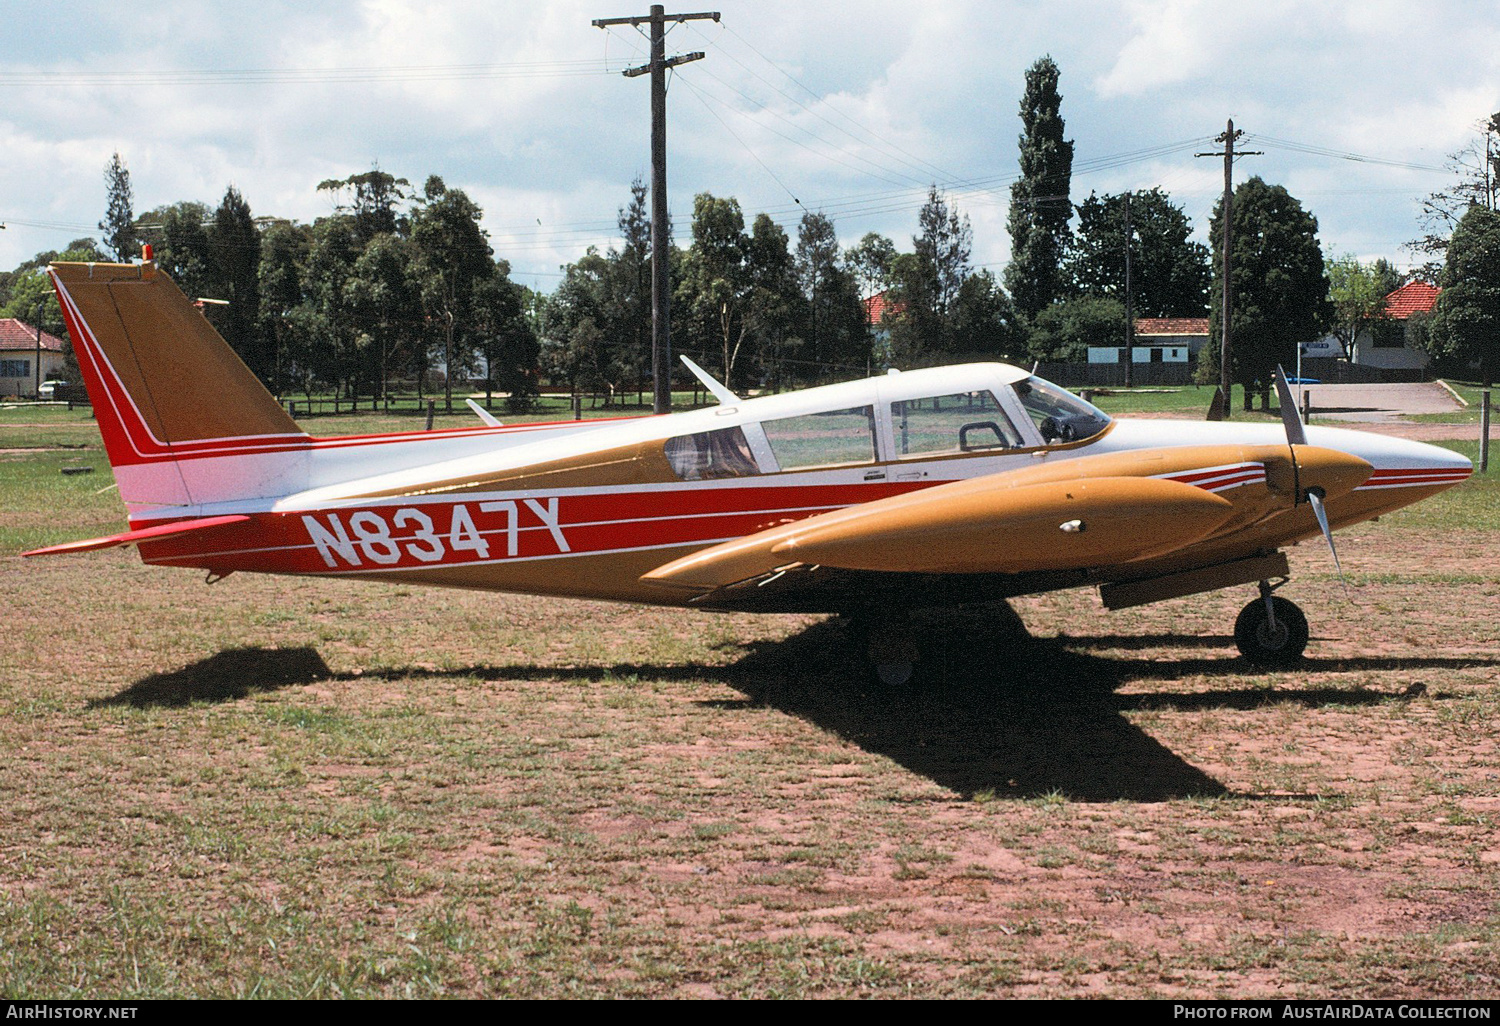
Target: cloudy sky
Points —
{"points": [[850, 108]]}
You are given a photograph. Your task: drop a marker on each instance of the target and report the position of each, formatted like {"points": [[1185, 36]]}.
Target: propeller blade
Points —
{"points": [[1316, 501], [1290, 419]]}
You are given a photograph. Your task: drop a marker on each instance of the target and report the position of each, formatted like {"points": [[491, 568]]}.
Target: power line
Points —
{"points": [[309, 75], [1358, 158]]}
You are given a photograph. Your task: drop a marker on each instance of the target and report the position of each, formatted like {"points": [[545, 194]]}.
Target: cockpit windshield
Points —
{"points": [[1060, 415]]}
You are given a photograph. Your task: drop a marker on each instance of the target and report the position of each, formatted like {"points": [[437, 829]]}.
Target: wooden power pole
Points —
{"points": [[661, 313], [1228, 137]]}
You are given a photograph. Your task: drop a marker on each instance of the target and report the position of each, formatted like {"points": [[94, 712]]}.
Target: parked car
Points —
{"points": [[48, 389]]}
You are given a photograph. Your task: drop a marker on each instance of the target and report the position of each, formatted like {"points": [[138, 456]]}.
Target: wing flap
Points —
{"points": [[986, 525], [141, 535]]}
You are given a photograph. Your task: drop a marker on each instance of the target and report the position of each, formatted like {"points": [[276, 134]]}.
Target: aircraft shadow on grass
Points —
{"points": [[994, 710]]}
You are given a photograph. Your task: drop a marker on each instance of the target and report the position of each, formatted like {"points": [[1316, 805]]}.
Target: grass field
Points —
{"points": [[283, 788]]}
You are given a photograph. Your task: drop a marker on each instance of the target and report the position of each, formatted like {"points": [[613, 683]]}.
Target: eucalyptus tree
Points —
{"points": [[453, 256]]}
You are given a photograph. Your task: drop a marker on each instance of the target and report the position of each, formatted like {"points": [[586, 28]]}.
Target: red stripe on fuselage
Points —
{"points": [[397, 534]]}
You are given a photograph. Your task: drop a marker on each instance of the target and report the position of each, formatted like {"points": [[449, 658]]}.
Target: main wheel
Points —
{"points": [[1264, 644], [890, 645]]}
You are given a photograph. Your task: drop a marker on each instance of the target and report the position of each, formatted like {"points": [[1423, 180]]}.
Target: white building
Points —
{"points": [[19, 354], [1158, 340]]}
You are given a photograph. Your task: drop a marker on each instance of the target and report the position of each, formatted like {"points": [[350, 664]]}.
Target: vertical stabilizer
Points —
{"points": [[166, 388]]}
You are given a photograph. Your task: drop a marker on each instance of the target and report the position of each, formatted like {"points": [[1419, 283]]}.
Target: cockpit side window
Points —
{"points": [[944, 425], [1059, 415], [710, 455], [829, 438]]}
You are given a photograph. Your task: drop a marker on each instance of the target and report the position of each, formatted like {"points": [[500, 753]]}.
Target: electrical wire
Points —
{"points": [[303, 76], [1358, 158]]}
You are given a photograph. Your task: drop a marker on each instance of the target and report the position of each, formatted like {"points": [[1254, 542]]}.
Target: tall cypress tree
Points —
{"points": [[1039, 207], [118, 225]]}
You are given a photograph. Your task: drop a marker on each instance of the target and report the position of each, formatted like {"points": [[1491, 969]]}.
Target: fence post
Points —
{"points": [[577, 406], [1484, 433], [431, 405]]}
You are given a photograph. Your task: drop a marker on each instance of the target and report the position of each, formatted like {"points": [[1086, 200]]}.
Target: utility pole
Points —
{"points": [[39, 308], [1129, 306], [1228, 137], [661, 314]]}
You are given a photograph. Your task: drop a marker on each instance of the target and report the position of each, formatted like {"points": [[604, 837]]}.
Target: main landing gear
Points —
{"points": [[1271, 631], [889, 643]]}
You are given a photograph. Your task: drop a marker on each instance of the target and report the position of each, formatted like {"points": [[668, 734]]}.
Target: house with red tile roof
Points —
{"points": [[1385, 345], [19, 353], [878, 306]]}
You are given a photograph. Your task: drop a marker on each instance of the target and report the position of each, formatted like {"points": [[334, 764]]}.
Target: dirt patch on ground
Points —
{"points": [[284, 787]]}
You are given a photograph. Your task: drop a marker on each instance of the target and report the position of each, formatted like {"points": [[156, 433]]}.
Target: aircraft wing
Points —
{"points": [[1066, 518], [983, 526]]}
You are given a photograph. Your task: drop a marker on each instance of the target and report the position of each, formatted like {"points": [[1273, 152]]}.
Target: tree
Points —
{"points": [[1477, 168], [870, 262], [1039, 207], [834, 329], [943, 245], [1465, 324], [178, 233], [927, 283], [505, 338], [632, 288], [1356, 296], [1169, 273], [118, 225], [26, 288], [454, 254], [384, 299], [234, 243], [283, 252], [330, 351], [28, 295], [777, 307], [984, 322], [375, 197], [1065, 331], [1280, 289], [716, 281]]}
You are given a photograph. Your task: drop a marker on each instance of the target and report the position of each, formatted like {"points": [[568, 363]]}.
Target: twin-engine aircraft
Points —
{"points": [[870, 498]]}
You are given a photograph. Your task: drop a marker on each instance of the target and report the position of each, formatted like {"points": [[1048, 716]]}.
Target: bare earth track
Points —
{"points": [[278, 788]]}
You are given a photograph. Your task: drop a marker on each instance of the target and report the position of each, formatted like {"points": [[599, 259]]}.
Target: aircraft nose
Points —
{"points": [[1400, 462]]}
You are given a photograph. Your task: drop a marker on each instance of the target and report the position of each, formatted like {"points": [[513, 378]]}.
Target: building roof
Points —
{"points": [[17, 334], [878, 305], [1171, 326], [1413, 297]]}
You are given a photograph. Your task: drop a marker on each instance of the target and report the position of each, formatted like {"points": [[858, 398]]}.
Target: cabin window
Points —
{"points": [[944, 425], [1059, 415], [710, 455], [830, 438]]}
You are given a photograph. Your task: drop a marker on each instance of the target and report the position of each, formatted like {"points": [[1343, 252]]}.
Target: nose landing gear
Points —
{"points": [[1271, 631]]}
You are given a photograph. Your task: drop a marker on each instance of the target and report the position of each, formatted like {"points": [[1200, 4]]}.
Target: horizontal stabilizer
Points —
{"points": [[132, 537]]}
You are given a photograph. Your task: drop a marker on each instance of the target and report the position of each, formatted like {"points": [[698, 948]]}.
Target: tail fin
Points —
{"points": [[166, 388]]}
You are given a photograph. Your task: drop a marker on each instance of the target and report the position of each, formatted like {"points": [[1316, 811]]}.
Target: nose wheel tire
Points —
{"points": [[1265, 642]]}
